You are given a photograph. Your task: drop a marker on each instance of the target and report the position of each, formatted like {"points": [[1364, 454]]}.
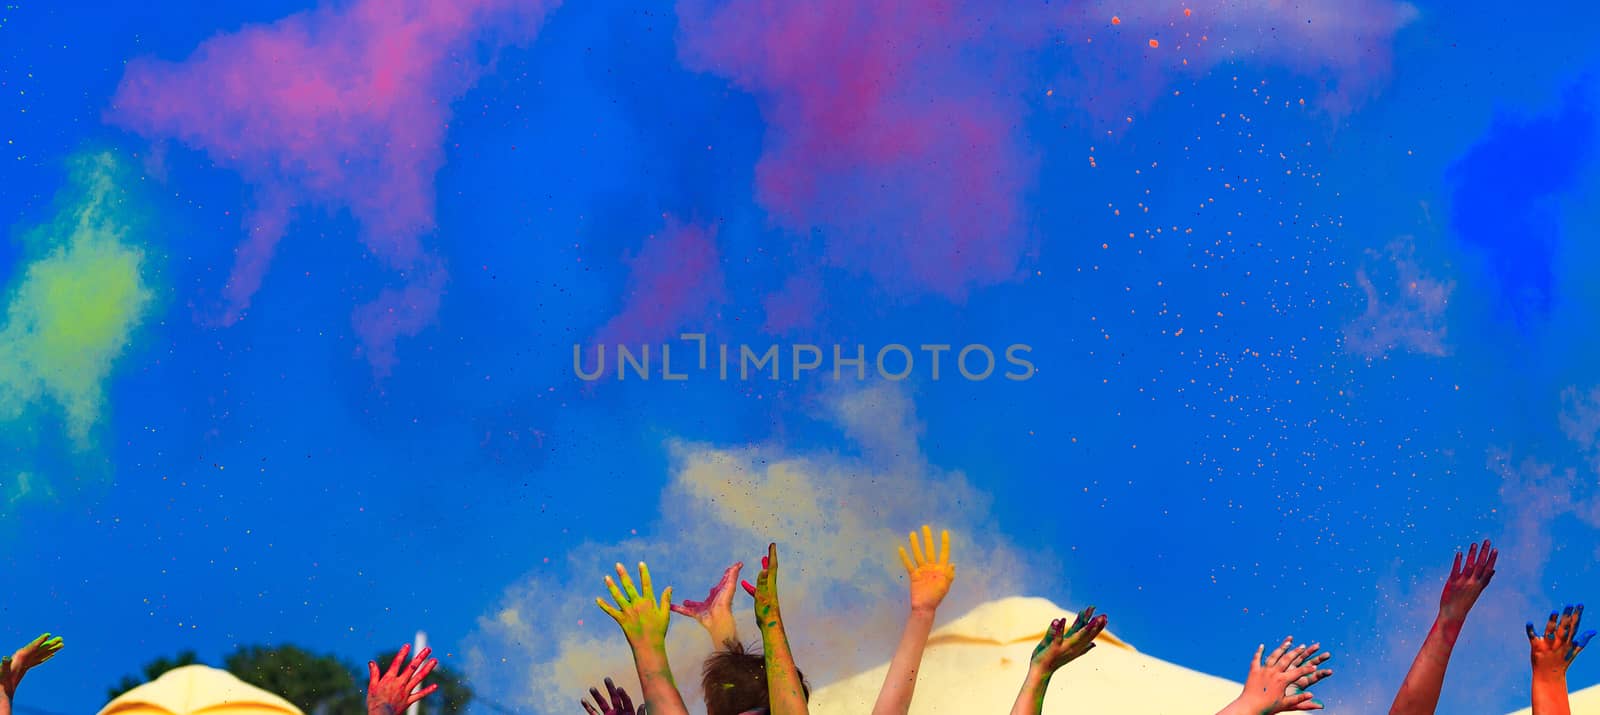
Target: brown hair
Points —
{"points": [[734, 680]]}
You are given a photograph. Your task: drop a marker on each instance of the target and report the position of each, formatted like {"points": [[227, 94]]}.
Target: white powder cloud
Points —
{"points": [[837, 520]]}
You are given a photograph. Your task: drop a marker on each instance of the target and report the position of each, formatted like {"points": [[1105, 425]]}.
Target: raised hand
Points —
{"points": [[1467, 580], [16, 665], [1561, 642], [644, 622], [765, 589], [1311, 657], [396, 689], [930, 576], [1277, 684], [785, 691], [1062, 645], [620, 703], [1551, 654], [1419, 693], [643, 619], [715, 613]]}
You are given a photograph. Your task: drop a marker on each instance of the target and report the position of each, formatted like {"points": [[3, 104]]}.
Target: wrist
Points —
{"points": [[1550, 675], [923, 612], [1450, 618]]}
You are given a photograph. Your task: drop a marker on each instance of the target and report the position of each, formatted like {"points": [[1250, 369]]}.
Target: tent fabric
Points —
{"points": [[976, 664], [1584, 702], [198, 690]]}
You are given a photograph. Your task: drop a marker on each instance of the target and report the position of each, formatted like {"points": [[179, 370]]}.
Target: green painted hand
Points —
{"points": [[1062, 645], [14, 666], [643, 619]]}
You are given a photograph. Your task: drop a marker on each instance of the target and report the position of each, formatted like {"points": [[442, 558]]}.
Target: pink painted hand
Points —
{"points": [[1062, 645], [930, 575], [715, 613], [16, 665], [643, 619], [620, 703], [1419, 692], [1278, 684], [397, 687], [1467, 580]]}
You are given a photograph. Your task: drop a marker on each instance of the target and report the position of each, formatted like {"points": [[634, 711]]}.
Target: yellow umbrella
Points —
{"points": [[198, 690]]}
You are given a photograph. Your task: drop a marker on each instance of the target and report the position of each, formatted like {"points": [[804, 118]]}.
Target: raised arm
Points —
{"points": [[1061, 645], [644, 623], [715, 614], [16, 665], [1419, 694], [620, 703], [1551, 655], [1279, 683], [397, 687], [785, 692], [930, 576]]}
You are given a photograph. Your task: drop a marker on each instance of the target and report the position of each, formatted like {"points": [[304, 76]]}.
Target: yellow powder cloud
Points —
{"points": [[71, 309]]}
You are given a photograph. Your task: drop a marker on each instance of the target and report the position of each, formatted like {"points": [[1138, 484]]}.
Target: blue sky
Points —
{"points": [[1360, 339]]}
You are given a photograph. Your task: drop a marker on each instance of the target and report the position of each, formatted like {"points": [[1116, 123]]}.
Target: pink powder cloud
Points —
{"points": [[897, 128], [674, 281], [340, 108]]}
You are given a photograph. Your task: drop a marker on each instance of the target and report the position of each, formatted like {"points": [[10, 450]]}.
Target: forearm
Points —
{"points": [[784, 693], [901, 681], [723, 631], [1419, 693], [660, 692], [1030, 701], [1550, 694]]}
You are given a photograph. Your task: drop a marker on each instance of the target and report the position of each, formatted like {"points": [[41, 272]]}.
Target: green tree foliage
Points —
{"points": [[317, 684]]}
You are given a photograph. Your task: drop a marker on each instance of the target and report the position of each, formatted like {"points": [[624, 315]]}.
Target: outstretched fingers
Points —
{"points": [[944, 546], [1277, 654], [906, 561], [420, 694], [616, 593], [649, 589], [627, 583], [398, 662]]}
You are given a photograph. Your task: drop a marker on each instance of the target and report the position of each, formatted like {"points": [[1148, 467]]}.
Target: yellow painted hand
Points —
{"points": [[14, 666], [643, 619], [930, 576]]}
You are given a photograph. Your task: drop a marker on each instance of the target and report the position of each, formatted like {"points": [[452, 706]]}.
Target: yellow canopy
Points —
{"points": [[976, 663], [1584, 702], [198, 690]]}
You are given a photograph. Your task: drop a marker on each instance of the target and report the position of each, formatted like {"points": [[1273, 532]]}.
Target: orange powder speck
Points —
{"points": [[1187, 12], [1153, 43], [1116, 20]]}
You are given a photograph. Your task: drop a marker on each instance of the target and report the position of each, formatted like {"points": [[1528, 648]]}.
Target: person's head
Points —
{"points": [[735, 681]]}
